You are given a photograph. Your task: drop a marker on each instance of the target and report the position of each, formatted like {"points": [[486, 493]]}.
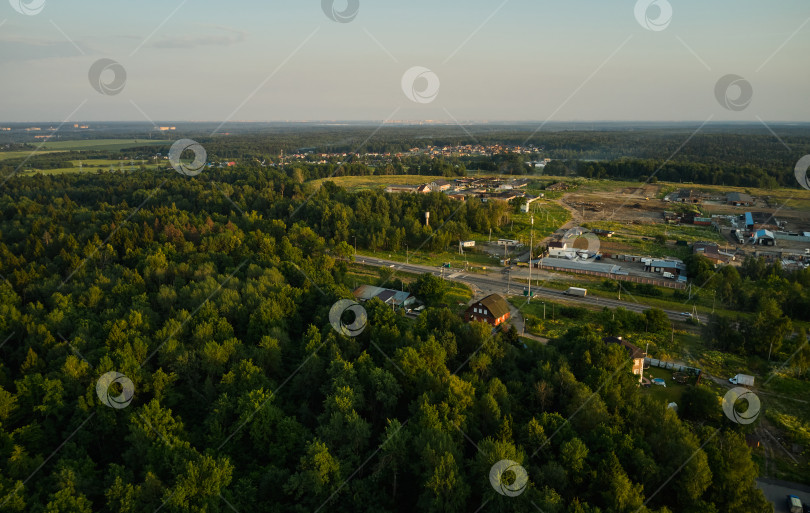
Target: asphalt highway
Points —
{"points": [[491, 283]]}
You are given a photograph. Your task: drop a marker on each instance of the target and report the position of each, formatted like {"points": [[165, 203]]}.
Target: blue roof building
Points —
{"points": [[749, 221]]}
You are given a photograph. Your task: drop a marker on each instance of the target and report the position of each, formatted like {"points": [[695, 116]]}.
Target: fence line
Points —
{"points": [[671, 284]]}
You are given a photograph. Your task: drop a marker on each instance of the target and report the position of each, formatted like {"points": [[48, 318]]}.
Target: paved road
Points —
{"points": [[489, 283], [777, 492]]}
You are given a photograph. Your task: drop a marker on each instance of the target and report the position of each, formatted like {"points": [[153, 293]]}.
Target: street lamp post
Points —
{"points": [[531, 244]]}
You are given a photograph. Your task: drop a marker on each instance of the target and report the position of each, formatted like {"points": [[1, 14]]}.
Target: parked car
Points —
{"points": [[742, 379], [794, 504]]}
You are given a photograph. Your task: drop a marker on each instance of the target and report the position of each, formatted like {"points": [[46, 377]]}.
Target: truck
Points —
{"points": [[794, 504], [576, 291], [669, 276], [742, 379]]}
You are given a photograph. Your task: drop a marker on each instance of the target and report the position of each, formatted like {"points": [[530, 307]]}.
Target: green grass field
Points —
{"points": [[101, 144], [95, 165], [375, 182], [669, 394], [7, 155], [92, 145]]}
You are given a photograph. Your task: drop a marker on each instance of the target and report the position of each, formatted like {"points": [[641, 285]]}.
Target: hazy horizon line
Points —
{"points": [[413, 121]]}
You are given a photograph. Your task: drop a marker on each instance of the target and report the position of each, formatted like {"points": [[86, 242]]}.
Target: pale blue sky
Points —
{"points": [[534, 59]]}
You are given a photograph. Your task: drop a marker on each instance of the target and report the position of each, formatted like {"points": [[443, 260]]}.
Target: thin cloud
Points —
{"points": [[231, 37], [24, 49]]}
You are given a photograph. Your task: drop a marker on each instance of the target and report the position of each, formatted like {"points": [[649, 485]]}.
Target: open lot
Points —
{"points": [[358, 183]]}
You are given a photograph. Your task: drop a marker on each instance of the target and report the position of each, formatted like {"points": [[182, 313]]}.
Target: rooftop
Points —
{"points": [[579, 265], [496, 304]]}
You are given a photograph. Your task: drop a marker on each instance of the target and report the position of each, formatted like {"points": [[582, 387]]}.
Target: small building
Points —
{"points": [[739, 199], [765, 238], [688, 196], [760, 220], [396, 189], [388, 296], [636, 354], [558, 249], [493, 309], [424, 189], [711, 251], [749, 221], [528, 200], [441, 185], [671, 217], [662, 266]]}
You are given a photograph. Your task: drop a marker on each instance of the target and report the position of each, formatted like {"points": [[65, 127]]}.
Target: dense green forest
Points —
{"points": [[246, 398]]}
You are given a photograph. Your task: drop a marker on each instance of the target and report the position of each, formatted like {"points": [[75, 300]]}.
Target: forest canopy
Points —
{"points": [[246, 398]]}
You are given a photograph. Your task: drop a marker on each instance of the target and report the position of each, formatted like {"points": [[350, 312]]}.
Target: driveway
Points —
{"points": [[517, 320], [777, 492]]}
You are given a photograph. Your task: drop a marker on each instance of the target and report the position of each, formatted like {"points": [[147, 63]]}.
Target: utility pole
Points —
{"points": [[714, 299], [544, 311], [531, 244], [406, 254], [355, 245]]}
